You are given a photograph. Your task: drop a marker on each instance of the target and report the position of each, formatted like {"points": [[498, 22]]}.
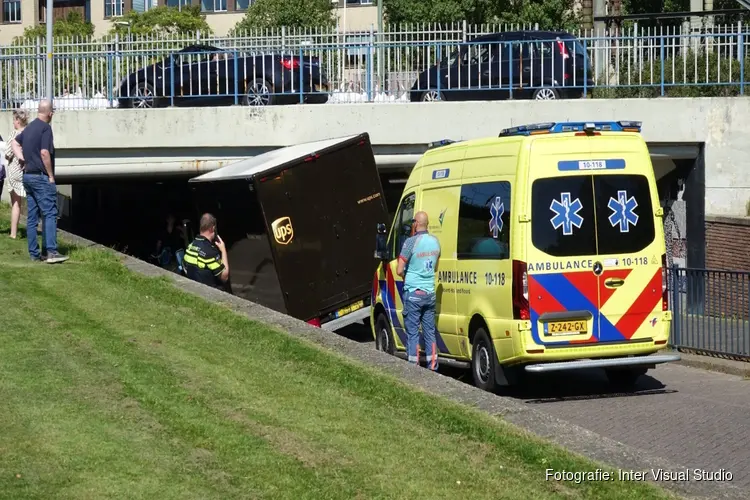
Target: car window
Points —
{"points": [[589, 215], [194, 55], [402, 230], [562, 216], [624, 213], [475, 54], [540, 49], [484, 221]]}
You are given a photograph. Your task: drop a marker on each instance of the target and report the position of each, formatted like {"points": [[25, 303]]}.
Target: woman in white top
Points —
{"points": [[15, 171]]}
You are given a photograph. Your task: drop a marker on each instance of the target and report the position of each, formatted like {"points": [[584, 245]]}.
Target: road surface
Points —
{"points": [[691, 417]]}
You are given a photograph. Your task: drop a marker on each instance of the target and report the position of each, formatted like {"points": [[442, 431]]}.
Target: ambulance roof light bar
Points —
{"points": [[556, 128], [440, 143]]}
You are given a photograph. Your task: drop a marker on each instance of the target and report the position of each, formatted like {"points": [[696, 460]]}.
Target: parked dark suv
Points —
{"points": [[205, 75], [542, 65]]}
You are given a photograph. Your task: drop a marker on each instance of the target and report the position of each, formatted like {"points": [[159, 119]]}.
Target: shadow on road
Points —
{"points": [[579, 385], [540, 388]]}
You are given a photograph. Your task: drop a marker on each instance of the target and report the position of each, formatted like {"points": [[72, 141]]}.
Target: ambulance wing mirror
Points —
{"points": [[381, 243]]}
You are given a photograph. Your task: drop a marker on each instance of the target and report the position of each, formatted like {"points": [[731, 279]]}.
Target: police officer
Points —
{"points": [[206, 258], [418, 264]]}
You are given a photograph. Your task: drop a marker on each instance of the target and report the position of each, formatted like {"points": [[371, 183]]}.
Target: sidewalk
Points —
{"points": [[715, 363]]}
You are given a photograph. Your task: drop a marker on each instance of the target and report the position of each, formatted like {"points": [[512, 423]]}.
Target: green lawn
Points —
{"points": [[113, 385]]}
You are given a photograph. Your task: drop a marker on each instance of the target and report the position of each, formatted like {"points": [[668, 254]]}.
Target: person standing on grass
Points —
{"points": [[205, 259], [2, 167], [418, 264], [35, 149], [15, 172]]}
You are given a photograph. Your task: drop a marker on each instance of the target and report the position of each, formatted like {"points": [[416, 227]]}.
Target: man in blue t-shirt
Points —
{"points": [[418, 264], [35, 149]]}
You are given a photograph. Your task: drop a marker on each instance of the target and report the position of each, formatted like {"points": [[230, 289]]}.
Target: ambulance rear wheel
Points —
{"points": [[625, 379], [383, 335], [483, 361]]}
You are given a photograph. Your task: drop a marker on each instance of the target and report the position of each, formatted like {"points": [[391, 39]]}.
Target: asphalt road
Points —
{"points": [[695, 418]]}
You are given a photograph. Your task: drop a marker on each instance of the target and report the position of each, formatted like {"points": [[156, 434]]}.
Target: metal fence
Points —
{"points": [[371, 67], [711, 311]]}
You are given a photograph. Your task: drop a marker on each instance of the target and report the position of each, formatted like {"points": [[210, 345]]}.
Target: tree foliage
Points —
{"points": [[73, 25], [290, 13], [689, 75], [548, 14], [163, 20], [438, 11]]}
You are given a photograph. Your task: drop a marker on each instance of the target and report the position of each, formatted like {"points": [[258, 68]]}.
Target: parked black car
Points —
{"points": [[204, 75], [541, 64]]}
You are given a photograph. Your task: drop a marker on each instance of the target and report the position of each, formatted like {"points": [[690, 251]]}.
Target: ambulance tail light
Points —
{"points": [[664, 287], [520, 291]]}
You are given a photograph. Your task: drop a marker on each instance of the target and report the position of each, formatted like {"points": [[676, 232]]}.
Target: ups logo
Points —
{"points": [[282, 229]]}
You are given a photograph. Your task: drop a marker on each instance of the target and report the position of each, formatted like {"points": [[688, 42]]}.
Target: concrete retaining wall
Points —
{"points": [[722, 124]]}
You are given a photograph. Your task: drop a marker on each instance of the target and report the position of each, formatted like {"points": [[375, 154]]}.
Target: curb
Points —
{"points": [[714, 364], [541, 425]]}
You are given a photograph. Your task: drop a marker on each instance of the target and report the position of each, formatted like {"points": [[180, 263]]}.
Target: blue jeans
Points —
{"points": [[41, 199], [419, 309]]}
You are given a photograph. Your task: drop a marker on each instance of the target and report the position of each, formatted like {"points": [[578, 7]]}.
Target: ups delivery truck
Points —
{"points": [[297, 222]]}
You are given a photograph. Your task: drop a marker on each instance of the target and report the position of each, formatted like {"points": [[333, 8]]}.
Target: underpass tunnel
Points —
{"points": [[128, 214]]}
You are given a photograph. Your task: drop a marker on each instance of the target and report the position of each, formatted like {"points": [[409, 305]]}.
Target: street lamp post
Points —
{"points": [[50, 90]]}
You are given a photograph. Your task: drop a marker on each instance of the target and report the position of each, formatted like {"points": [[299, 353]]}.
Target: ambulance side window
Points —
{"points": [[402, 229], [484, 221]]}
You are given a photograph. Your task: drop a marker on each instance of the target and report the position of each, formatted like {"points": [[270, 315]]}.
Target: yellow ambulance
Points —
{"points": [[553, 253]]}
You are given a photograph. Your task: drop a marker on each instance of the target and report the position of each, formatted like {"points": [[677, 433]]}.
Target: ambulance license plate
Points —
{"points": [[350, 308], [565, 327]]}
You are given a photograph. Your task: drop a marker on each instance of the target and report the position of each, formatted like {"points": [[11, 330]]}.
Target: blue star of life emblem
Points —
{"points": [[566, 214], [623, 211], [497, 209]]}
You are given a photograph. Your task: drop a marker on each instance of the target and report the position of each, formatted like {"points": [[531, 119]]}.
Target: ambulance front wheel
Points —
{"points": [[384, 336], [483, 361]]}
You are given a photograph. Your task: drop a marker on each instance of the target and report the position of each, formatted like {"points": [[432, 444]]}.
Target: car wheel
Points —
{"points": [[144, 96], [546, 94], [384, 336], [259, 93], [625, 379], [483, 361], [432, 95]]}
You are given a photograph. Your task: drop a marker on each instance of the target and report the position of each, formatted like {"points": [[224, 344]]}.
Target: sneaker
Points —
{"points": [[54, 258]]}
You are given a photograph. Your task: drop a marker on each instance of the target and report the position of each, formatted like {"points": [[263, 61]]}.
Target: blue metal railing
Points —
{"points": [[371, 71], [711, 311]]}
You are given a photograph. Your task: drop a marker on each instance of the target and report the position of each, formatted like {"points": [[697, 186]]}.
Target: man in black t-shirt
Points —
{"points": [[35, 149], [206, 259]]}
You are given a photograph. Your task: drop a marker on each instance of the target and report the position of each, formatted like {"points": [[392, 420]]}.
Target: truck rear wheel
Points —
{"points": [[383, 335], [483, 361], [625, 378]]}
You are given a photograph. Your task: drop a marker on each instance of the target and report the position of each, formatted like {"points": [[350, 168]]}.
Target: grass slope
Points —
{"points": [[114, 385]]}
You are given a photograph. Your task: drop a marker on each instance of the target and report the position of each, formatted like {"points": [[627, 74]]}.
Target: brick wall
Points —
{"points": [[728, 248], [728, 243]]}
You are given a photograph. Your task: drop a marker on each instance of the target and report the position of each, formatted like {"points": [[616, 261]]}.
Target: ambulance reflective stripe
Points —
{"points": [[623, 310], [633, 302], [558, 294], [192, 257], [387, 292]]}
